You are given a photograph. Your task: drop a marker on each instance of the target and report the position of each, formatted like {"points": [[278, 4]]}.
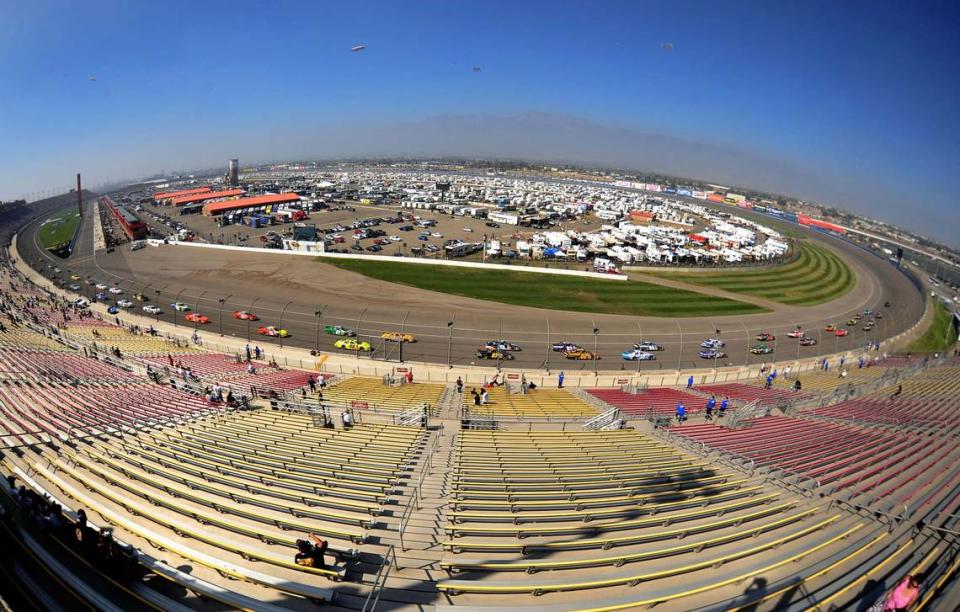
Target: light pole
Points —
{"points": [[450, 339], [156, 315], [499, 338], [746, 342], [250, 311], [196, 318], [280, 324], [174, 306], [680, 355], [596, 357], [356, 350], [318, 314], [640, 327], [220, 314], [546, 362]]}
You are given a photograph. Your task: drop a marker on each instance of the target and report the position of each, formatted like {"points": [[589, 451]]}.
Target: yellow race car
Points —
{"points": [[397, 337], [351, 344], [75, 277], [582, 355]]}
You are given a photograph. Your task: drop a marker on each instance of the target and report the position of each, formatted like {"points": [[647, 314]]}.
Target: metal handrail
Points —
{"points": [[405, 517], [380, 580]]}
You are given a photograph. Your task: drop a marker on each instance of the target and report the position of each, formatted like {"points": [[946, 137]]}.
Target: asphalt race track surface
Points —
{"points": [[274, 285]]}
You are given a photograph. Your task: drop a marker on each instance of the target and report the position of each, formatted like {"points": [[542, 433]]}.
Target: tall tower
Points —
{"points": [[79, 197], [233, 173]]}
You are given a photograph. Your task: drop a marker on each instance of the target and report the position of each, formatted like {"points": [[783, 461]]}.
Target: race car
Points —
{"points": [[582, 355], [886, 304], [565, 347], [760, 349], [638, 355], [766, 337], [152, 309], [841, 332], [74, 277], [116, 290], [398, 337], [503, 345], [647, 346], [879, 315], [74, 287], [140, 297], [272, 331], [712, 354], [103, 295], [808, 341], [124, 303], [867, 312], [796, 334], [712, 343], [338, 330], [831, 327], [352, 345], [868, 326], [113, 310], [101, 287], [196, 317], [81, 303], [852, 321], [243, 315], [488, 352], [180, 306]]}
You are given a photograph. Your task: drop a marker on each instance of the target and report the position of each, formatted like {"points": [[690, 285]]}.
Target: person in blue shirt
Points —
{"points": [[681, 413], [723, 406], [560, 381], [690, 382], [711, 403]]}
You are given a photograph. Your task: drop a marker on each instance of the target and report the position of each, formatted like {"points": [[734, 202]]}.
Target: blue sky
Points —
{"points": [[859, 95]]}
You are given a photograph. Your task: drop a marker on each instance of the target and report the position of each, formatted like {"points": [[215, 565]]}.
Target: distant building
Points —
{"points": [[233, 172]]}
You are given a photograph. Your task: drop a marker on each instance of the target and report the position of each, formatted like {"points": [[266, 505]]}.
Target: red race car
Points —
{"points": [[841, 332], [766, 337], [243, 315], [195, 317]]}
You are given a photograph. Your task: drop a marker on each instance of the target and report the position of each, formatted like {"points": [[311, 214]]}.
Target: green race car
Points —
{"points": [[338, 330]]}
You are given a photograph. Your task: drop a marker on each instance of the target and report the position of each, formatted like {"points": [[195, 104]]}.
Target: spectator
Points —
{"points": [[459, 384], [476, 397], [251, 369], [256, 352], [690, 382], [484, 397], [904, 595], [897, 392], [708, 412], [797, 386], [323, 384], [312, 383], [560, 378], [409, 376], [310, 554], [681, 412], [723, 406], [347, 418]]}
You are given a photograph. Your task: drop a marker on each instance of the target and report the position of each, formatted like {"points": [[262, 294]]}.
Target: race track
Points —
{"points": [[274, 285]]}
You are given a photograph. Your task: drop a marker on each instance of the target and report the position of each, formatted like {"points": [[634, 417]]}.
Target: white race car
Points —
{"points": [[116, 290], [101, 287], [152, 309], [638, 355], [124, 303], [180, 306]]}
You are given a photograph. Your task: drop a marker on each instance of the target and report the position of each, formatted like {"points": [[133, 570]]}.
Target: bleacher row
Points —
{"points": [[538, 519]]}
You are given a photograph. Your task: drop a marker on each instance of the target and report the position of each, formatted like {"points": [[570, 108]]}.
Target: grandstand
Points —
{"points": [[828, 500]]}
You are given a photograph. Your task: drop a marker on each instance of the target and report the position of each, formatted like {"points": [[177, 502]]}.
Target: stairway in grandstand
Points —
{"points": [[818, 503]]}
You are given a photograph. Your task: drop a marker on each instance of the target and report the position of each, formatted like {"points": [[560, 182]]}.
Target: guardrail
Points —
{"points": [[380, 580]]}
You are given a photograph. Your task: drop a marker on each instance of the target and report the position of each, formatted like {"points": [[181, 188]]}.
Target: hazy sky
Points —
{"points": [[851, 102]]}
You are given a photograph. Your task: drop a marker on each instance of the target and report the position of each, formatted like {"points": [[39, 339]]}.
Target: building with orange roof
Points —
{"points": [[207, 195], [166, 195]]}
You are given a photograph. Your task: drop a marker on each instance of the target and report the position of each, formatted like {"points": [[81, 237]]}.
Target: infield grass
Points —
{"points": [[551, 291], [815, 277], [57, 231], [939, 336]]}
